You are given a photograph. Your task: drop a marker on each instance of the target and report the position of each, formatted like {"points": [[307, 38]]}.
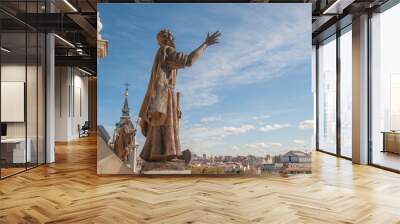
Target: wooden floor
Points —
{"points": [[69, 191], [5, 172]]}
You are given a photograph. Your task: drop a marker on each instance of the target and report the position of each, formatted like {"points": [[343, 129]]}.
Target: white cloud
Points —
{"points": [[245, 56], [238, 130], [235, 148], [276, 144], [261, 117], [258, 145], [210, 119], [263, 145], [274, 127], [299, 141], [306, 124], [202, 139]]}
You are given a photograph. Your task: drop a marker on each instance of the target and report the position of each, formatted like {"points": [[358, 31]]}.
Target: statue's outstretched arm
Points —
{"points": [[210, 40], [192, 58], [180, 60]]}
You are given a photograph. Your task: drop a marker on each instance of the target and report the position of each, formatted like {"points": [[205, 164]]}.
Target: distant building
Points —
{"points": [[231, 168], [123, 141], [269, 168], [296, 162], [295, 168], [239, 159], [291, 162], [296, 157], [268, 159], [276, 159], [251, 160], [227, 159]]}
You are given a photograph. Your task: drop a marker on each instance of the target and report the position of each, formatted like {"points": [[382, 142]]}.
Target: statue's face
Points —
{"points": [[165, 37], [171, 40]]}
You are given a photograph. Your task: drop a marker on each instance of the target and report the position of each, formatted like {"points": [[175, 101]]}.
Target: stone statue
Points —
{"points": [[124, 140], [160, 113]]}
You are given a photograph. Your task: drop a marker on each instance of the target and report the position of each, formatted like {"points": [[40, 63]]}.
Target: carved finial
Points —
{"points": [[126, 89]]}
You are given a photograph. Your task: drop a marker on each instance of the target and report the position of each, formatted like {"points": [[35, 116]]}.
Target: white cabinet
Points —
{"points": [[16, 147]]}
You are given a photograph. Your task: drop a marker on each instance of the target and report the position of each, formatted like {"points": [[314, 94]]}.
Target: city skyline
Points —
{"points": [[251, 94]]}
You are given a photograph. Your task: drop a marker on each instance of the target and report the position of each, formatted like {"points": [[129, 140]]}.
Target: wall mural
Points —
{"points": [[214, 89]]}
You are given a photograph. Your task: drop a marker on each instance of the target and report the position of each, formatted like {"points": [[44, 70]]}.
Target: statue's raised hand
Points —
{"points": [[213, 39]]}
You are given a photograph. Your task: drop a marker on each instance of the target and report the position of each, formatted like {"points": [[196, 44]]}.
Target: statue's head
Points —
{"points": [[165, 37]]}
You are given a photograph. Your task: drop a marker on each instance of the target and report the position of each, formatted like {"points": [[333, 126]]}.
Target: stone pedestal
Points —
{"points": [[175, 167]]}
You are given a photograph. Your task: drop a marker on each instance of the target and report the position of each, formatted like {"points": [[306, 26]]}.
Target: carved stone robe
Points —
{"points": [[124, 141], [158, 114]]}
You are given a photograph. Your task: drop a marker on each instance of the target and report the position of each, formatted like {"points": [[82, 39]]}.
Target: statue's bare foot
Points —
{"points": [[186, 156]]}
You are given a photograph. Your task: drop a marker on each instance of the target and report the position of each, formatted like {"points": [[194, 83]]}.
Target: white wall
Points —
{"points": [[13, 100], [71, 94], [62, 81], [81, 94], [17, 73], [12, 73], [33, 126]]}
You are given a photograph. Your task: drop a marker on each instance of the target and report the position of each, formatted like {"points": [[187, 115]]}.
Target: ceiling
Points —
{"points": [[325, 13], [332, 15], [74, 22]]}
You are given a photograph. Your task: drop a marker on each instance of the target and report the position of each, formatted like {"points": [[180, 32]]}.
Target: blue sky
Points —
{"points": [[250, 94]]}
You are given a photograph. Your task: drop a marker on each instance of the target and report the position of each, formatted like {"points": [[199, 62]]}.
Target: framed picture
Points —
{"points": [[205, 89]]}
